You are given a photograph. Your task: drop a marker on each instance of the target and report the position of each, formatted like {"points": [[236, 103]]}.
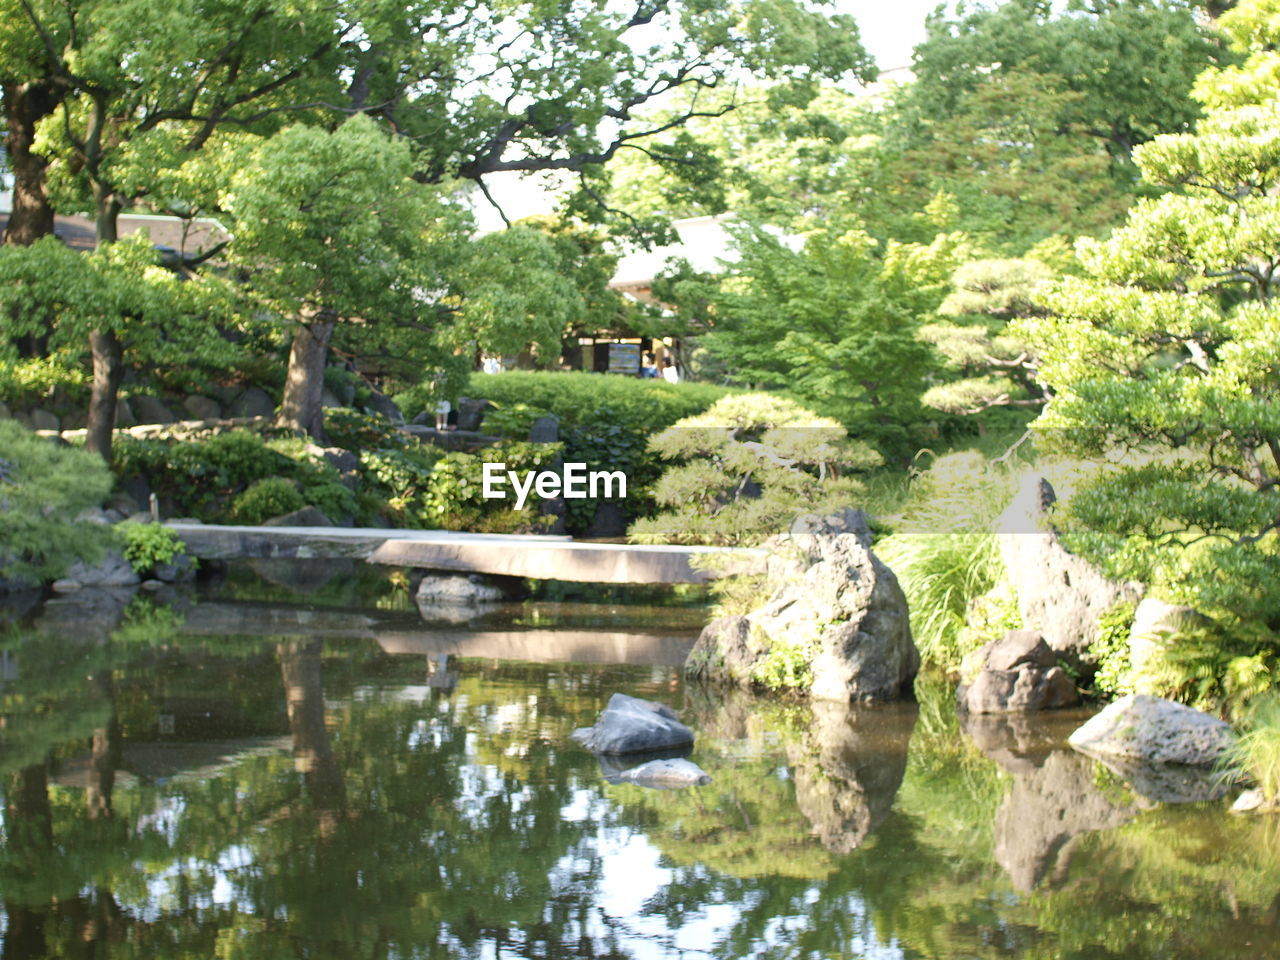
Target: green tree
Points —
{"points": [[1167, 352], [835, 323]]}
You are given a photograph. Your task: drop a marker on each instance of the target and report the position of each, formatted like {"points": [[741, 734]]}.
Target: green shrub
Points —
{"points": [[746, 467], [605, 422], [1257, 752], [1220, 667], [267, 498], [149, 544], [512, 422], [357, 430], [43, 486], [651, 405], [27, 383], [1110, 650]]}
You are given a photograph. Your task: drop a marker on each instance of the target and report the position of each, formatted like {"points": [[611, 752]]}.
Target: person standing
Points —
{"points": [[669, 371]]}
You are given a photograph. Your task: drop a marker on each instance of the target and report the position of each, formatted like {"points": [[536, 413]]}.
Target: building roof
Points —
{"points": [[189, 238], [704, 242]]}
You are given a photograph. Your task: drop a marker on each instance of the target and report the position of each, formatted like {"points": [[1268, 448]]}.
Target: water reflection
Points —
{"points": [[171, 790]]}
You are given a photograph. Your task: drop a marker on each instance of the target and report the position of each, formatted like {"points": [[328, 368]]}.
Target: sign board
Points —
{"points": [[624, 358]]}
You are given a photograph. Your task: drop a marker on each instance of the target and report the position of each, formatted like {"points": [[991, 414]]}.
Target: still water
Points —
{"points": [[247, 772]]}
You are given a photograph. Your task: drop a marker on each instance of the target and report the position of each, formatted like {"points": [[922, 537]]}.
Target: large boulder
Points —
{"points": [[202, 408], [1016, 673], [113, 570], [152, 410], [253, 402], [307, 516], [471, 412], [631, 725], [1156, 730], [831, 601], [1060, 594]]}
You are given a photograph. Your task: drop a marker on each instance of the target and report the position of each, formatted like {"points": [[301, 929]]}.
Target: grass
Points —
{"points": [[1257, 752]]}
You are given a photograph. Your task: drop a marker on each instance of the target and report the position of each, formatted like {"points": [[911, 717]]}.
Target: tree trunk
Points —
{"points": [[25, 105], [108, 372], [304, 700], [108, 351], [302, 406], [104, 755]]}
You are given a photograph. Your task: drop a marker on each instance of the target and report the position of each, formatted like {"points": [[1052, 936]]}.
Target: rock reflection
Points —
{"points": [[846, 762], [1055, 798], [848, 767]]}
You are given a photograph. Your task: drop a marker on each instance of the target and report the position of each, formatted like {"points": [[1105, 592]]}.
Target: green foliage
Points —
{"points": [[264, 499], [1110, 650], [1219, 667], [1163, 358], [512, 422], [747, 467], [203, 477], [788, 665], [43, 486], [1257, 751], [649, 405], [357, 430], [149, 544], [835, 325], [24, 383], [946, 558]]}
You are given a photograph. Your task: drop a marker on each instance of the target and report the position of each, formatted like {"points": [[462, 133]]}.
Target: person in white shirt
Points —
{"points": [[669, 371]]}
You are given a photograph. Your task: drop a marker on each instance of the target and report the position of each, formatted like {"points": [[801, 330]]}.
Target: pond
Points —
{"points": [[251, 772]]}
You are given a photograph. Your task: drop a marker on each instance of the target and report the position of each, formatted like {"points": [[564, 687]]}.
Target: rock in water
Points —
{"points": [[665, 775], [1060, 594], [1143, 727], [631, 725], [1016, 673], [831, 601]]}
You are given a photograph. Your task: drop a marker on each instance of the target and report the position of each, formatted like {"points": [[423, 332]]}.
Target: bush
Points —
{"points": [[267, 498], [149, 544], [747, 467], [605, 422], [43, 486], [1257, 752], [205, 477], [355, 430]]}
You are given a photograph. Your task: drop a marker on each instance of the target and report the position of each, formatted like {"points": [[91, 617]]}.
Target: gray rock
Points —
{"points": [[94, 515], [1016, 673], [1253, 801], [113, 515], [457, 589], [253, 402], [827, 589], [609, 521], [470, 413], [151, 586], [202, 408], [181, 569], [665, 775], [125, 417], [329, 400], [308, 516], [225, 393], [1143, 727], [631, 725], [152, 410], [67, 585], [380, 403], [545, 429], [113, 571], [1060, 594], [44, 420]]}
